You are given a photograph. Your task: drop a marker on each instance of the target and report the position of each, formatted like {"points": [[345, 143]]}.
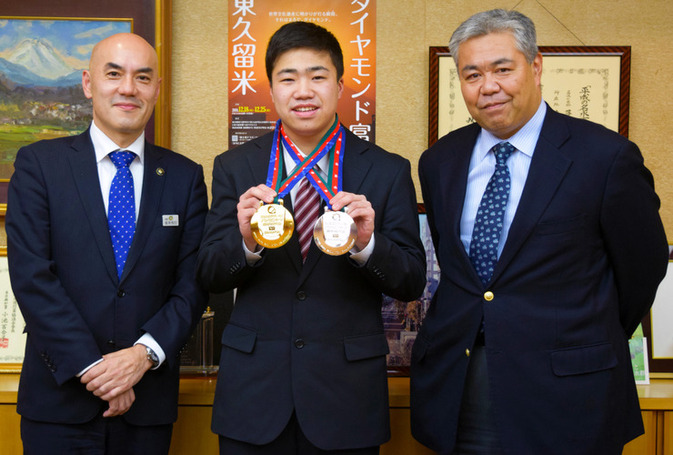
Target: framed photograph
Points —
{"points": [[657, 326], [590, 82], [44, 46], [401, 320]]}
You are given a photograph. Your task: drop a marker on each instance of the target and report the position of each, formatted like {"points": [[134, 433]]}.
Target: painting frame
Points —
{"points": [[660, 366], [152, 20], [401, 333], [620, 56]]}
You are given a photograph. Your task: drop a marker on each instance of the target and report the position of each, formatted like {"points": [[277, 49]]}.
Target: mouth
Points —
{"points": [[126, 105], [492, 105], [305, 109]]}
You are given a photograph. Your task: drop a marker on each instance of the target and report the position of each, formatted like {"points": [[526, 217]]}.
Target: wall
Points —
{"points": [[405, 30]]}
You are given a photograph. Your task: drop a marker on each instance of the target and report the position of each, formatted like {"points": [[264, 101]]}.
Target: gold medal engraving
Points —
{"points": [[272, 225], [335, 233]]}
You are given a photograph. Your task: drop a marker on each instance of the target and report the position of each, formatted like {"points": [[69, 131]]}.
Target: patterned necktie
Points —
{"points": [[306, 211], [489, 219], [121, 207]]}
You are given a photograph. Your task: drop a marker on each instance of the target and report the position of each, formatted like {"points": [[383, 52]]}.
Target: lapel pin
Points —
{"points": [[160, 171]]}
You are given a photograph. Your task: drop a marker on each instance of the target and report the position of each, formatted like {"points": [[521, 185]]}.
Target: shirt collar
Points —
{"points": [[322, 164], [103, 145], [523, 140]]}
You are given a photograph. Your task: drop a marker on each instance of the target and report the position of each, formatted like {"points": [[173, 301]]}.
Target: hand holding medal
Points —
{"points": [[272, 225]]}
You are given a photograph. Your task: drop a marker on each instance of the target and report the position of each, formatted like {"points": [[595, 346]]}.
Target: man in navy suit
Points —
{"points": [[303, 363], [101, 367], [524, 350]]}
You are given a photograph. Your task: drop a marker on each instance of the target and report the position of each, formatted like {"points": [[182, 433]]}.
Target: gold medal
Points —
{"points": [[272, 225], [335, 233]]}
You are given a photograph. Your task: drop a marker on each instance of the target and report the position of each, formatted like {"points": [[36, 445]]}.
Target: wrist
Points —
{"points": [[151, 356]]}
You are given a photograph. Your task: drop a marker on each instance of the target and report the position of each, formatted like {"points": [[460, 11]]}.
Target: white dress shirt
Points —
{"points": [[482, 166], [103, 146]]}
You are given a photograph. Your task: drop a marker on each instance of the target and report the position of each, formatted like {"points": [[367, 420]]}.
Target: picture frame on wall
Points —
{"points": [[37, 112], [591, 82], [657, 326], [46, 101], [401, 320]]}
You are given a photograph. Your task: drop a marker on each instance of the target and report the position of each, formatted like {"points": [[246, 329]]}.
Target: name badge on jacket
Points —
{"points": [[170, 220]]}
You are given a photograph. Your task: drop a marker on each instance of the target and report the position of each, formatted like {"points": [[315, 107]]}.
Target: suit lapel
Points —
{"points": [[454, 172], [85, 173], [548, 168], [154, 178]]}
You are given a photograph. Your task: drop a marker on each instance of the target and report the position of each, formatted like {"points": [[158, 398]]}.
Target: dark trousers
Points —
{"points": [[477, 429], [291, 441], [101, 436]]}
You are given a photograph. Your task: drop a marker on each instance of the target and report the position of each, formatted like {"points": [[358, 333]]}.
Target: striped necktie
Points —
{"points": [[306, 211]]}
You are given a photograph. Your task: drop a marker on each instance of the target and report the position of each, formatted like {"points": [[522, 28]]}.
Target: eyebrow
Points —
{"points": [[311, 69], [115, 66], [500, 61]]}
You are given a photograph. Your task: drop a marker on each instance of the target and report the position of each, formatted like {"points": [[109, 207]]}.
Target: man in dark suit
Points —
{"points": [[105, 325], [303, 366], [524, 349]]}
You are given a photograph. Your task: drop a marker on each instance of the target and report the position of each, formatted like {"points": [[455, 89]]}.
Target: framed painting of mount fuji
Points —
{"points": [[44, 46]]}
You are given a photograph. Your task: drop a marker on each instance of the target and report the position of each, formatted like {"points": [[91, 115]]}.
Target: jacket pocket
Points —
{"points": [[583, 359], [366, 346], [561, 226], [239, 338]]}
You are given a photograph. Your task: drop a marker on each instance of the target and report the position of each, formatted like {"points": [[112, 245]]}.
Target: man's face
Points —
{"points": [[123, 83], [305, 92], [501, 89]]}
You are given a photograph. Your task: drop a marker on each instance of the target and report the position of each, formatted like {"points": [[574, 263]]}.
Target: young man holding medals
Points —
{"points": [[303, 368]]}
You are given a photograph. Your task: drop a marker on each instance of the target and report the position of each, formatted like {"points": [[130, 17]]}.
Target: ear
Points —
{"points": [[156, 93], [537, 68], [86, 84], [341, 86]]}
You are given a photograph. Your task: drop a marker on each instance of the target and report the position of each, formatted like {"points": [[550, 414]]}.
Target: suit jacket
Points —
{"points": [[584, 256], [63, 275], [310, 338]]}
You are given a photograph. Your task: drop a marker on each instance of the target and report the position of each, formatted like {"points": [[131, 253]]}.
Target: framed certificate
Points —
{"points": [[590, 82]]}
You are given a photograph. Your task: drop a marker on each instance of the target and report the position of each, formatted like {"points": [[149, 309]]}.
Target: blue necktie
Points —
{"points": [[121, 208], [489, 220]]}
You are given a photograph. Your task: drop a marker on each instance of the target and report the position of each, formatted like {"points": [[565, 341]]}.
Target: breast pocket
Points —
{"points": [[561, 226]]}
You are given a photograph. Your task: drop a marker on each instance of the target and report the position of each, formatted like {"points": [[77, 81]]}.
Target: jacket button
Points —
{"points": [[301, 295], [299, 343], [488, 296], [467, 352], [121, 293]]}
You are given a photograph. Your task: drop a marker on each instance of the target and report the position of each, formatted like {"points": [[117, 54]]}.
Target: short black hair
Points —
{"points": [[307, 35]]}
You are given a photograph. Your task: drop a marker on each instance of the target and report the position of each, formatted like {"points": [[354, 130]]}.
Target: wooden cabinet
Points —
{"points": [[191, 433]]}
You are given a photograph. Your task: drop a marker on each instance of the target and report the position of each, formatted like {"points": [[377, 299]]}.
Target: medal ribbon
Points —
{"points": [[333, 139]]}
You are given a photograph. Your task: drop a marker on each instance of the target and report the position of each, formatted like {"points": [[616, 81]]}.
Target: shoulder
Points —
{"points": [[371, 151], [581, 138], [171, 156], [57, 144], [455, 141]]}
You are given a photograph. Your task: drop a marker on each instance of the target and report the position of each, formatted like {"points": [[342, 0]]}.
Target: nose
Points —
{"points": [[490, 84], [127, 86], [304, 89]]}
